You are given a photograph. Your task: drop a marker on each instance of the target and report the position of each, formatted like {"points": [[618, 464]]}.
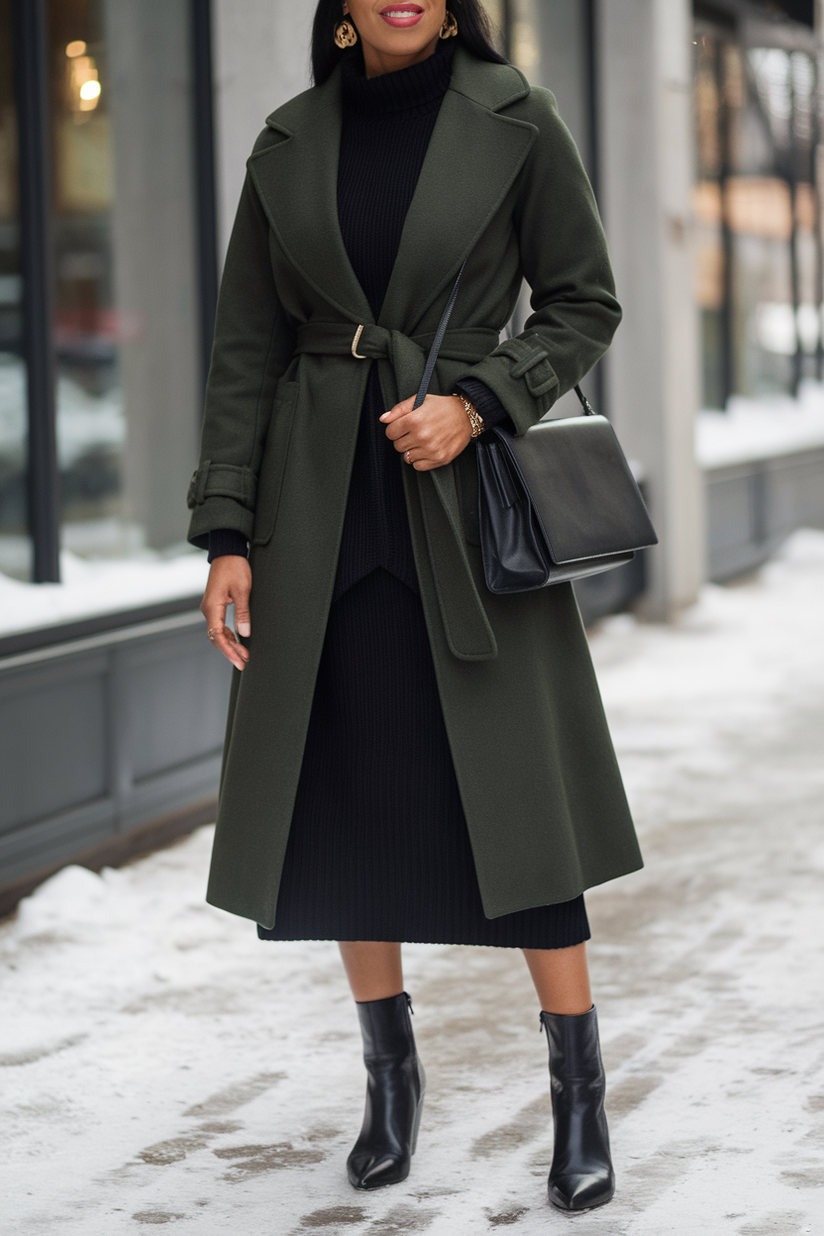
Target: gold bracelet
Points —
{"points": [[475, 418]]}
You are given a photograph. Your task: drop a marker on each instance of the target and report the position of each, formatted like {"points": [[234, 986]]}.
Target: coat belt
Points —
{"points": [[468, 632], [469, 344]]}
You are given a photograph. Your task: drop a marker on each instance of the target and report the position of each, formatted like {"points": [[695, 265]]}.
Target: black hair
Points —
{"points": [[474, 33]]}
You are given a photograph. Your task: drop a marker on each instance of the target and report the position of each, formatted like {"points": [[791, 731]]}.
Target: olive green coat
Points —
{"points": [[502, 186]]}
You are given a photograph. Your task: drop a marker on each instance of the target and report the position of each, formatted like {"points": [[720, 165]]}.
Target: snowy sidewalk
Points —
{"points": [[160, 1065]]}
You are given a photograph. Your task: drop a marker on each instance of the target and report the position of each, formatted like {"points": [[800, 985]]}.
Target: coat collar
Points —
{"points": [[473, 158]]}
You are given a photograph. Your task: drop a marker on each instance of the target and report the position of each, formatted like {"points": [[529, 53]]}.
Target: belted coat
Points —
{"points": [[502, 188]]}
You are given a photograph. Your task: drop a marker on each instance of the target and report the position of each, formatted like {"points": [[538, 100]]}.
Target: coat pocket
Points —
{"points": [[273, 464]]}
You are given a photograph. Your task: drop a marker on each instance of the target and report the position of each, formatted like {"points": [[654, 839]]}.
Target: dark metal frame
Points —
{"points": [[795, 270], [36, 253], [800, 11], [30, 53], [728, 357]]}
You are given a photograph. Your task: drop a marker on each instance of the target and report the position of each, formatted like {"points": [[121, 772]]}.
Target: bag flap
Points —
{"points": [[582, 487]]}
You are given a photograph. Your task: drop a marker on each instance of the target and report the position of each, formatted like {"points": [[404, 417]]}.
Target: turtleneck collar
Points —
{"points": [[420, 84]]}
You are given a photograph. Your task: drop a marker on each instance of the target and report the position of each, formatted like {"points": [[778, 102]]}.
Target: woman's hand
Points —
{"points": [[230, 583], [433, 435]]}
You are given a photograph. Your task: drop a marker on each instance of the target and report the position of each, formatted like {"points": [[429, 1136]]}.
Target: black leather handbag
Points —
{"points": [[558, 503]]}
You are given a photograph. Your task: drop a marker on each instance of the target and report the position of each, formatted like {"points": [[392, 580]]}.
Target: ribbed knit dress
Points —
{"points": [[379, 848]]}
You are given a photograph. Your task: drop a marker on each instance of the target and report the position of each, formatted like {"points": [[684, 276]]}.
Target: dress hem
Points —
{"points": [[264, 934]]}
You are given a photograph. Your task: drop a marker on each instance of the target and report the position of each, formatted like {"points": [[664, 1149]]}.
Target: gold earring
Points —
{"points": [[345, 35], [449, 28]]}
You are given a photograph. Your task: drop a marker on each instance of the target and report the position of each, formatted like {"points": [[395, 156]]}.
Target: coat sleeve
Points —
{"points": [[253, 346], [564, 260]]}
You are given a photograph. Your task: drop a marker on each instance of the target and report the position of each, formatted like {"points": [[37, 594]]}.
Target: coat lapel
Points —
{"points": [[473, 158], [297, 180]]}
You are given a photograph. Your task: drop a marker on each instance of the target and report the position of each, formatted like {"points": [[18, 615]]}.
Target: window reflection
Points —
{"points": [[126, 317], [758, 253], [91, 426]]}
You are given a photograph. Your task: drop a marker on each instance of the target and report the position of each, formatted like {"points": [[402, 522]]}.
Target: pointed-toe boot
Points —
{"points": [[581, 1176], [394, 1094]]}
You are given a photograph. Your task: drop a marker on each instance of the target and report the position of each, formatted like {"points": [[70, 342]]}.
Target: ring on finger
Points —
{"points": [[406, 457], [212, 634]]}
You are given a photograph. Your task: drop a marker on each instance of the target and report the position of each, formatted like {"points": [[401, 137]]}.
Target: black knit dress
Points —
{"points": [[378, 848]]}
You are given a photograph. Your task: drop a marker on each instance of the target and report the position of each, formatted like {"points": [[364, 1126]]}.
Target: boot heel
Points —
{"points": [[413, 1143]]}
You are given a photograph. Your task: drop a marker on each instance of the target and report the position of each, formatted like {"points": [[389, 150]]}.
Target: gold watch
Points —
{"points": [[475, 418]]}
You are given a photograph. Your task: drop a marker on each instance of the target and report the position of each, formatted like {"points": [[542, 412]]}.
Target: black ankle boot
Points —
{"points": [[581, 1175], [394, 1094]]}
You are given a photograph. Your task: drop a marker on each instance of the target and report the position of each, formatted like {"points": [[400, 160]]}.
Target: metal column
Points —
{"points": [[31, 85]]}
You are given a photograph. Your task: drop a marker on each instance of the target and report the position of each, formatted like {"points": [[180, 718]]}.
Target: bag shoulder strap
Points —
{"points": [[585, 404], [437, 341]]}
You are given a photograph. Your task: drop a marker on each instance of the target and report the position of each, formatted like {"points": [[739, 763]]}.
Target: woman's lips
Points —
{"points": [[402, 15]]}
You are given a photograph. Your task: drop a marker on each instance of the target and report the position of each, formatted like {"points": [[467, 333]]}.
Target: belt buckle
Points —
{"points": [[355, 342]]}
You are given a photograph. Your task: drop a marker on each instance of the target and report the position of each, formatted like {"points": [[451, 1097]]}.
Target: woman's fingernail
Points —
{"points": [[244, 629]]}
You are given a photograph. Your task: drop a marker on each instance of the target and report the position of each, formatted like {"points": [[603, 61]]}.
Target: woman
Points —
{"points": [[408, 757]]}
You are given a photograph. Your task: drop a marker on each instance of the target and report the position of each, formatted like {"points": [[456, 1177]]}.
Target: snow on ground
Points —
{"points": [[103, 586], [761, 428], [160, 1065]]}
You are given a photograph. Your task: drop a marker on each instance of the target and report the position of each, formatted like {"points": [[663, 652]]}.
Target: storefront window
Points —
{"points": [[91, 423], [15, 551], [125, 262], [758, 274]]}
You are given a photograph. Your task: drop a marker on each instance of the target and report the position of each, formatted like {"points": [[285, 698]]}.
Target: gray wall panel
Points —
{"points": [[800, 491], [752, 507], [52, 742], [55, 840], [102, 735], [177, 696], [171, 791], [729, 513]]}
